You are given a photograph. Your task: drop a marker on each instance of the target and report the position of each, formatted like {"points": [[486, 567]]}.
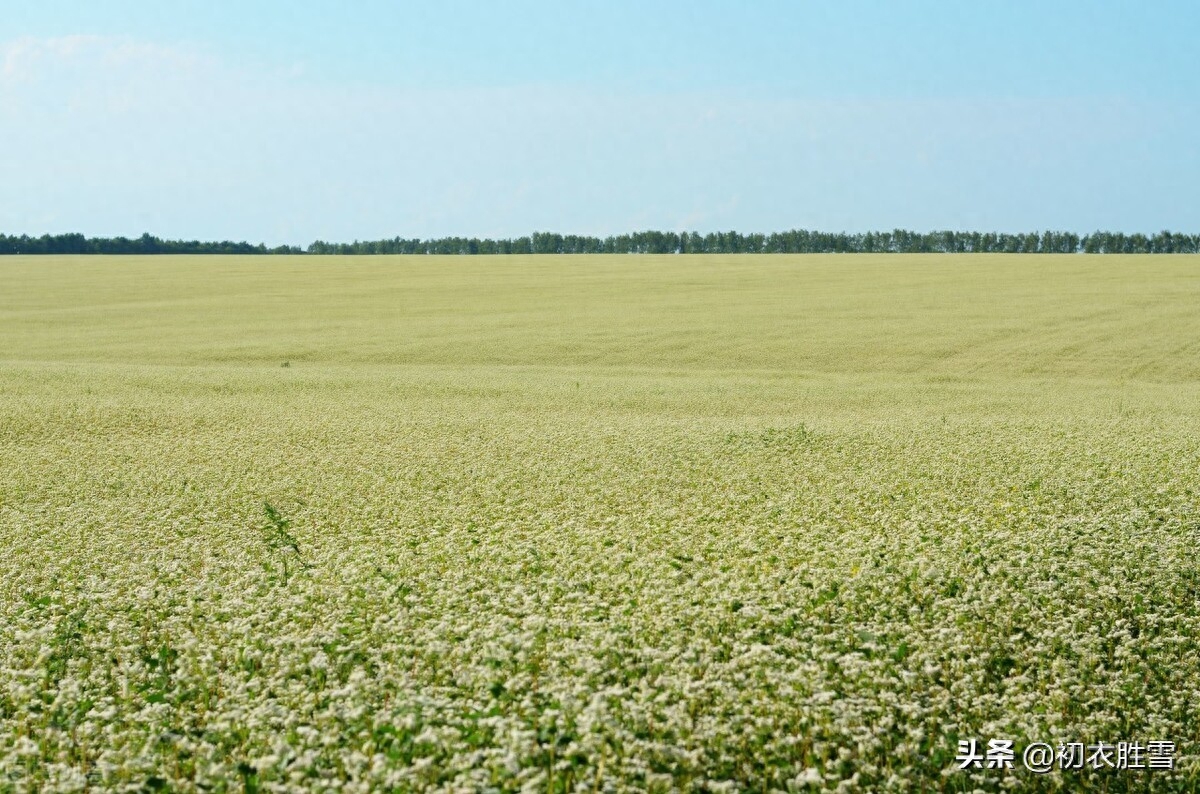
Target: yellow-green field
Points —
{"points": [[595, 523]]}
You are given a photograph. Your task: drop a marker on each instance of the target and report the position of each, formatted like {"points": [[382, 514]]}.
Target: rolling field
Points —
{"points": [[770, 523]]}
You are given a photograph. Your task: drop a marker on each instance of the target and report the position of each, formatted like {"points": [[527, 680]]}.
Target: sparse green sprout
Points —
{"points": [[281, 541]]}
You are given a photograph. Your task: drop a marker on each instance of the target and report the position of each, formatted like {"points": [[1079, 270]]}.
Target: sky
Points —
{"points": [[286, 122]]}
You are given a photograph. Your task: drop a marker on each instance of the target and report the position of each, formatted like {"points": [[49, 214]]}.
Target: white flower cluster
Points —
{"points": [[503, 601], [488, 577]]}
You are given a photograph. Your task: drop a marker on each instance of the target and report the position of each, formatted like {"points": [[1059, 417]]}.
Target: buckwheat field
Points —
{"points": [[773, 523]]}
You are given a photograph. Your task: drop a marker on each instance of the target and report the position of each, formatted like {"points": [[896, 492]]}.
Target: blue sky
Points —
{"points": [[287, 122]]}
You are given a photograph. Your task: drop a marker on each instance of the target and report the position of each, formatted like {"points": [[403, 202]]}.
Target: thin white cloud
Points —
{"points": [[29, 58]]}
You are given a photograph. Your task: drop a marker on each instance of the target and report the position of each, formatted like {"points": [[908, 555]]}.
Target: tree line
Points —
{"points": [[797, 241], [146, 244]]}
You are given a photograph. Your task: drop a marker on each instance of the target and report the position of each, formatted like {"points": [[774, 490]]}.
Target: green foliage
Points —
{"points": [[280, 541], [795, 241], [59, 244]]}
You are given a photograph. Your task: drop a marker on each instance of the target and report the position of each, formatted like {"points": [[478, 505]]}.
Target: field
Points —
{"points": [[595, 523]]}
